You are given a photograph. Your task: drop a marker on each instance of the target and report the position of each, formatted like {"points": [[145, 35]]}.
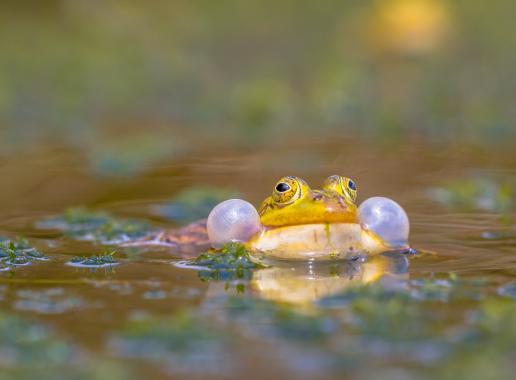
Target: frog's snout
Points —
{"points": [[387, 220], [232, 220]]}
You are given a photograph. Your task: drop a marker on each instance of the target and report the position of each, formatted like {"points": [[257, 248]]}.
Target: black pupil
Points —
{"points": [[282, 187], [351, 185]]}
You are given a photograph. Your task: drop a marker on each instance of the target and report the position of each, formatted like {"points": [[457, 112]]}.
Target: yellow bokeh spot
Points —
{"points": [[409, 26]]}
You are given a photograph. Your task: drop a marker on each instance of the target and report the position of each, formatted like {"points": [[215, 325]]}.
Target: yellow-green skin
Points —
{"points": [[301, 223]]}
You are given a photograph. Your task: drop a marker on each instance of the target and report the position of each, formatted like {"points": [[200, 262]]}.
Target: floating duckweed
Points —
{"points": [[372, 321], [487, 350], [76, 218], [17, 252], [193, 204], [32, 351], [29, 344], [82, 224], [373, 292], [446, 290], [279, 320], [232, 261], [181, 343], [428, 289], [104, 260], [18, 260], [494, 325], [435, 289], [386, 323], [230, 256], [479, 193], [117, 232], [394, 318]]}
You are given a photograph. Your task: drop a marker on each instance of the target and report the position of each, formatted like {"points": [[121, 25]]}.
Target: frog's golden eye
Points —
{"points": [[349, 188], [287, 190], [342, 185]]}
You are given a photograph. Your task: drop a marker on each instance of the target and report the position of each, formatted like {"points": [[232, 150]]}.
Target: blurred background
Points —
{"points": [[111, 101], [128, 83]]}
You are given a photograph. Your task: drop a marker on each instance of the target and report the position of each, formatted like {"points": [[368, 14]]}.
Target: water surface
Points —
{"points": [[405, 316]]}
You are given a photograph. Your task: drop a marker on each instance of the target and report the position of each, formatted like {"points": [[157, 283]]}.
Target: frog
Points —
{"points": [[297, 222]]}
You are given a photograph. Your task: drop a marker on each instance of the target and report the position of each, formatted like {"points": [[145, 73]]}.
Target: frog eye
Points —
{"points": [[287, 190], [344, 186], [349, 188], [282, 187]]}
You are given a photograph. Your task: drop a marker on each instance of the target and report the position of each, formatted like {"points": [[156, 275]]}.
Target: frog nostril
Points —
{"points": [[317, 197], [282, 187]]}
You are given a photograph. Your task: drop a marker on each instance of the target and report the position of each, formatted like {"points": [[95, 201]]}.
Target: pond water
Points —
{"points": [[448, 311]]}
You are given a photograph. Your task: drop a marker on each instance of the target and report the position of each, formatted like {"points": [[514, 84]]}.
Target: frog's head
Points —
{"points": [[293, 202]]}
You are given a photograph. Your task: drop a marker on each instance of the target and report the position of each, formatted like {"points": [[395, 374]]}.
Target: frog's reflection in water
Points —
{"points": [[309, 281]]}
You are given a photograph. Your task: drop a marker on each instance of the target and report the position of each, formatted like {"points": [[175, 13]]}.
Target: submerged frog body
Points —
{"points": [[297, 222]]}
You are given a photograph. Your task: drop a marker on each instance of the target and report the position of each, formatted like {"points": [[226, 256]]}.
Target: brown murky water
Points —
{"points": [[90, 309]]}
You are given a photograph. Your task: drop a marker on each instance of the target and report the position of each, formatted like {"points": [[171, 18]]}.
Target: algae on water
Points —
{"points": [[185, 342], [478, 193], [194, 203], [82, 224], [17, 252], [232, 261], [103, 260]]}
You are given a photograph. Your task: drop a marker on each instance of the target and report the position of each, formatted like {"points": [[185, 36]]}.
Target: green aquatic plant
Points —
{"points": [[387, 322], [479, 193], [232, 261], [30, 344], [183, 342], [277, 320], [129, 154], [487, 348], [382, 323], [230, 256], [392, 318], [374, 292], [32, 350], [18, 252], [116, 231], [448, 289], [15, 259], [179, 333], [445, 289], [104, 259], [194, 203], [82, 224], [76, 220]]}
